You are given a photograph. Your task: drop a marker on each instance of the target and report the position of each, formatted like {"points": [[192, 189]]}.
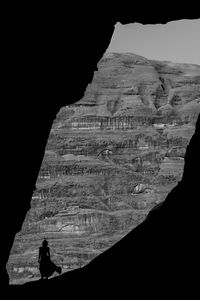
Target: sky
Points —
{"points": [[177, 41]]}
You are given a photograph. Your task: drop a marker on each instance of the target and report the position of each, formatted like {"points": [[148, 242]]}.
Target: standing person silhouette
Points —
{"points": [[46, 266]]}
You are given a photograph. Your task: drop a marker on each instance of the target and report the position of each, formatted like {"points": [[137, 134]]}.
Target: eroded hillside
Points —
{"points": [[110, 158]]}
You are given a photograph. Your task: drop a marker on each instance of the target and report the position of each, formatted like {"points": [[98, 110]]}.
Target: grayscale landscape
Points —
{"points": [[110, 158]]}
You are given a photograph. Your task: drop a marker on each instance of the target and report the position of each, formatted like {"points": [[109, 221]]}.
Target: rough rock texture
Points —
{"points": [[110, 158]]}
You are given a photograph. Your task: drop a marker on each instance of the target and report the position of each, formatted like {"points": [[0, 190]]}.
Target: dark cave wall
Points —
{"points": [[49, 64]]}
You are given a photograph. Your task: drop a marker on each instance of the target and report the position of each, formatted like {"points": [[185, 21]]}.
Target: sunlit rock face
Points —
{"points": [[110, 158]]}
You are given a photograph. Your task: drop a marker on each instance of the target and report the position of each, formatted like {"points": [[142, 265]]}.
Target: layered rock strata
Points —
{"points": [[110, 158]]}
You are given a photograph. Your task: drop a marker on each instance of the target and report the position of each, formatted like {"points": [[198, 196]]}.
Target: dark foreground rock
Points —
{"points": [[38, 46]]}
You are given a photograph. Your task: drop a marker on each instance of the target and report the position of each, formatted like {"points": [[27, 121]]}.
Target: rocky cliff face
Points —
{"points": [[110, 158]]}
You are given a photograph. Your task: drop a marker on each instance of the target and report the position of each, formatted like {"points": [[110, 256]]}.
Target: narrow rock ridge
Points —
{"points": [[110, 158]]}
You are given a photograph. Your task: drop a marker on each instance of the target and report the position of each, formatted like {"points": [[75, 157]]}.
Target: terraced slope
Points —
{"points": [[110, 158]]}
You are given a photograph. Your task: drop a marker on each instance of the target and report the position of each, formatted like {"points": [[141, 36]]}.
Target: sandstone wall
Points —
{"points": [[110, 158]]}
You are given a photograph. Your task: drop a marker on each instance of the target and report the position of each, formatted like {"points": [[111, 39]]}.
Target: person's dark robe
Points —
{"points": [[47, 267]]}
